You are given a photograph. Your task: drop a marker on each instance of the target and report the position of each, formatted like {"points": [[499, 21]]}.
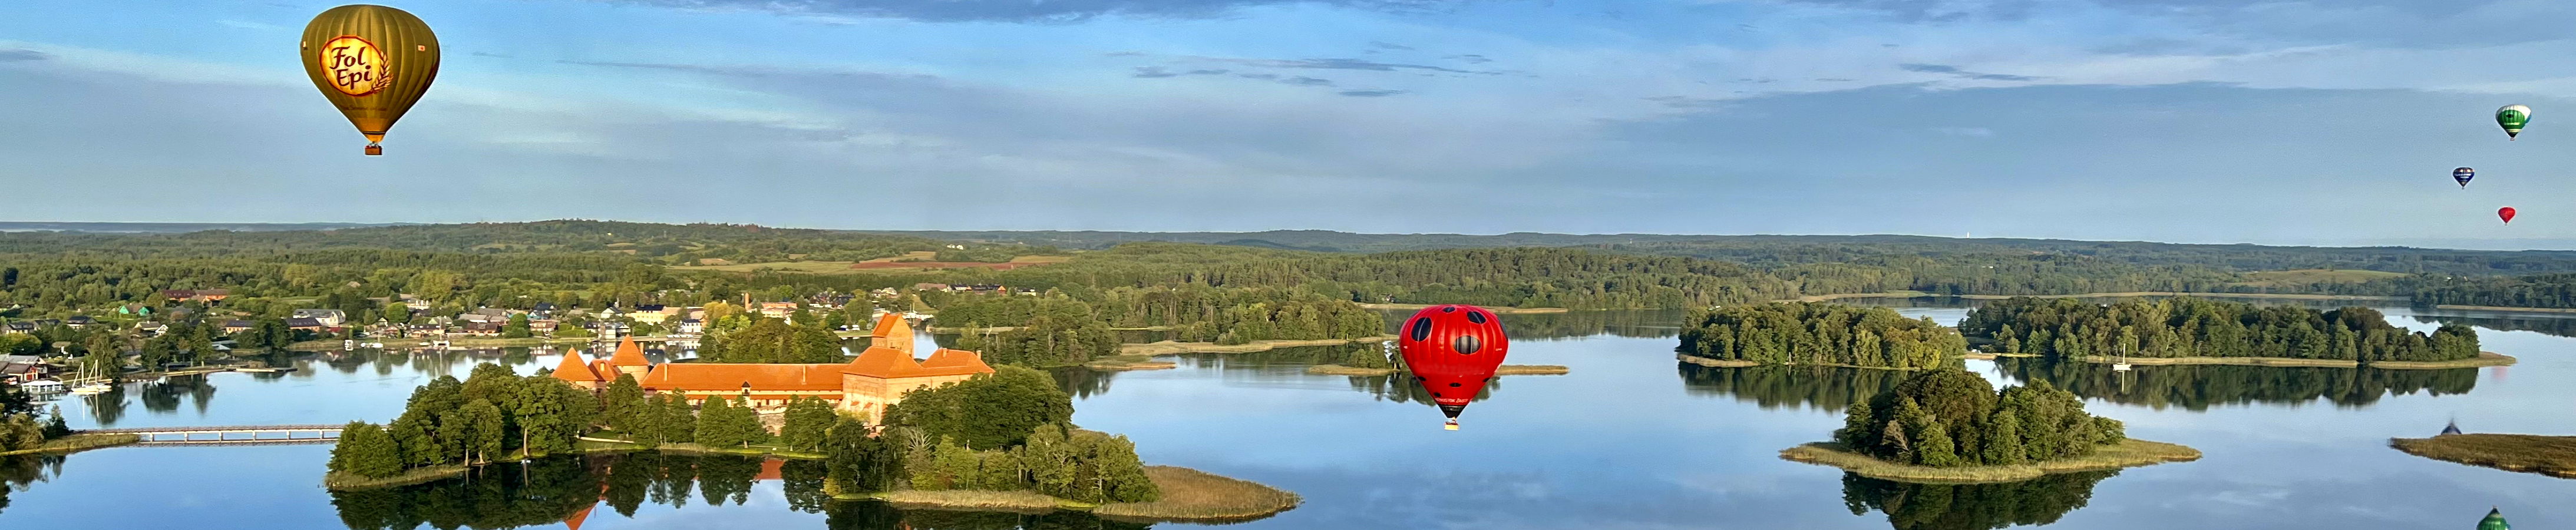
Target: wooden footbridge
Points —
{"points": [[230, 434]]}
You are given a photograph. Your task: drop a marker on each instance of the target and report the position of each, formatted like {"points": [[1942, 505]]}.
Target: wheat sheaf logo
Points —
{"points": [[356, 66]]}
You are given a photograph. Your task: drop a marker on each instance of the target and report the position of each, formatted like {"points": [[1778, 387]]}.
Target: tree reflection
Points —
{"points": [[2197, 387], [163, 396], [1912, 506], [17, 473], [1772, 386], [1082, 382], [565, 490], [106, 407]]}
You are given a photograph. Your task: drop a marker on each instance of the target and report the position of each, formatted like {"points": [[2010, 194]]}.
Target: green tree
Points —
{"points": [[622, 404], [539, 413], [2003, 441], [517, 328], [679, 423], [805, 424], [484, 430], [989, 411], [366, 450]]}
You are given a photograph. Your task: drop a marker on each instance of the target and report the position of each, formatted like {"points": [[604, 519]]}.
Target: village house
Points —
{"points": [[197, 295], [304, 324], [864, 386], [236, 326], [328, 317], [691, 326], [777, 309], [21, 326], [79, 321]]}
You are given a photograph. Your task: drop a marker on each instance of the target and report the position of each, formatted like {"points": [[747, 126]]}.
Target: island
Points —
{"points": [[2524, 453], [1949, 425], [1809, 333], [21, 433], [949, 431], [2186, 330]]}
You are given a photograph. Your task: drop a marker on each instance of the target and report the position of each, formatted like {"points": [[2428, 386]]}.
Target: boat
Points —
{"points": [[2123, 364]]}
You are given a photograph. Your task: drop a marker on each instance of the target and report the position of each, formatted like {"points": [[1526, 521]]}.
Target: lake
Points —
{"points": [[1629, 439]]}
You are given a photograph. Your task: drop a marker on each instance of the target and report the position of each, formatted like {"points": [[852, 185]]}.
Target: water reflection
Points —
{"points": [[17, 473], [1911, 506], [1823, 387], [569, 490], [2197, 387], [163, 396]]}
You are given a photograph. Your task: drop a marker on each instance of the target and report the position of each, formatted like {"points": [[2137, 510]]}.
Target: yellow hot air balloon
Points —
{"points": [[372, 61]]}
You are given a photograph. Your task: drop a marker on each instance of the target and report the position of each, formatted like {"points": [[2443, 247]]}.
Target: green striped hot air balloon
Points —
{"points": [[2494, 521], [372, 61], [2512, 117]]}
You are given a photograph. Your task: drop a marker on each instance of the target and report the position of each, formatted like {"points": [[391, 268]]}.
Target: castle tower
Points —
{"points": [[629, 360]]}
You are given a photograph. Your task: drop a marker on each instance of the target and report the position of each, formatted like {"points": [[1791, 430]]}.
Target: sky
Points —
{"points": [[2220, 121]]}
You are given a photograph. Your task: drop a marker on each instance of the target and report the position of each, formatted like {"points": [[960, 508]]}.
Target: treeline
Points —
{"points": [[2199, 387], [1001, 432], [493, 414], [1194, 313], [1952, 418], [1773, 386], [2189, 327], [2555, 291], [1824, 334]]}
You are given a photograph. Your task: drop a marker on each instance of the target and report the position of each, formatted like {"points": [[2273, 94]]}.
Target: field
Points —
{"points": [[2547, 455], [2127, 453]]}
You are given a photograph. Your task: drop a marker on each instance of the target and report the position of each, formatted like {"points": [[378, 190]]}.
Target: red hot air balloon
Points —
{"points": [[2505, 213], [1452, 351]]}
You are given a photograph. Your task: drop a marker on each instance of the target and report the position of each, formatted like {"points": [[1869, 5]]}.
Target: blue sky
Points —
{"points": [[2303, 122]]}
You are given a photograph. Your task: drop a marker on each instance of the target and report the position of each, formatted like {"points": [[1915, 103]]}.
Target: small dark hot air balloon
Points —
{"points": [[2505, 213], [1452, 351], [371, 61], [2463, 175]]}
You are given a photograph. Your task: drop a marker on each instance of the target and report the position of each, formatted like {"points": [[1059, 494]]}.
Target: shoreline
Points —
{"points": [[1122, 363], [1189, 496], [2126, 454], [77, 442], [2520, 453], [1171, 347], [1496, 310], [1508, 369]]}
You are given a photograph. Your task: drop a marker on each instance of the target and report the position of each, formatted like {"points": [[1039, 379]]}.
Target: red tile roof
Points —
{"points": [[955, 362], [718, 377], [888, 323], [573, 370], [628, 354], [890, 363]]}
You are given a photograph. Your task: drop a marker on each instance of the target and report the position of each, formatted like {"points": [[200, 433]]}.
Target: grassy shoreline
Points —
{"points": [[1508, 369], [1129, 362], [2503, 308], [2127, 453], [78, 442], [2521, 453], [1496, 310], [1171, 347], [339, 481], [1189, 496]]}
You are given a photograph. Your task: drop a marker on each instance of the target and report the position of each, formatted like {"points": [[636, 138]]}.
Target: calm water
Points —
{"points": [[1630, 439]]}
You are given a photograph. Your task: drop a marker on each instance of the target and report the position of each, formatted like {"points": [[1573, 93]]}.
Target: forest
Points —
{"points": [[457, 267], [1819, 334], [1953, 418], [2194, 327]]}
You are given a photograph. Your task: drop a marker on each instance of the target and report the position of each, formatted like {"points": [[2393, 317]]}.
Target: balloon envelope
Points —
{"points": [[2505, 213], [2463, 175], [2513, 117], [2494, 521], [1452, 351], [373, 62]]}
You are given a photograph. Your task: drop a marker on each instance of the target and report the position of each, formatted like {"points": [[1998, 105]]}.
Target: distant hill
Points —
{"points": [[163, 228]]}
